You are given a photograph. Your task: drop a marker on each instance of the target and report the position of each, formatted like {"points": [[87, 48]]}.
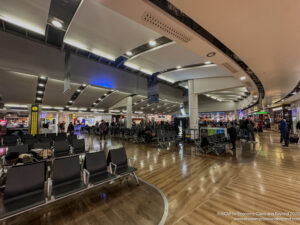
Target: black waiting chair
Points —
{"points": [[66, 177], [71, 137], [78, 146], [42, 145], [51, 136], [10, 140], [45, 139], [62, 134], [24, 189], [18, 148], [117, 158], [60, 138], [30, 142], [13, 153], [26, 136], [95, 168], [61, 148]]}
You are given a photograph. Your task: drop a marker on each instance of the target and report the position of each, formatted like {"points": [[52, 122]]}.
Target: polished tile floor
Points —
{"points": [[261, 178], [205, 189]]}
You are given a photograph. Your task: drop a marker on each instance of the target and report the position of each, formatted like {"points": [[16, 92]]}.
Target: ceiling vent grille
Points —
{"points": [[229, 67], [152, 20]]}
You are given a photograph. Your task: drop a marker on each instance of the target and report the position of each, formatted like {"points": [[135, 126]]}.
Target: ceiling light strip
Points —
{"points": [[40, 90]]}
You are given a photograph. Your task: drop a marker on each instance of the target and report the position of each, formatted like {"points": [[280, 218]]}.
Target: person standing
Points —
{"points": [[232, 135], [71, 128], [283, 128], [250, 129], [102, 130]]}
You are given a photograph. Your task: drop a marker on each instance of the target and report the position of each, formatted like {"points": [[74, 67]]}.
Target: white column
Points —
{"points": [[193, 109], [129, 112]]}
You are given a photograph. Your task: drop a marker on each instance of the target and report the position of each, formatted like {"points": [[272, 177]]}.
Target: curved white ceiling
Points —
{"points": [[206, 71], [104, 32], [264, 34], [166, 57], [31, 14]]}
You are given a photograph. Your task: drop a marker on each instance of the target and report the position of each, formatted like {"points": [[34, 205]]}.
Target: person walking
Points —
{"points": [[232, 135], [283, 128], [102, 130]]}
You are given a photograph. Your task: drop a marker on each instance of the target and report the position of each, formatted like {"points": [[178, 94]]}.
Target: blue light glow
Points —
{"points": [[107, 83]]}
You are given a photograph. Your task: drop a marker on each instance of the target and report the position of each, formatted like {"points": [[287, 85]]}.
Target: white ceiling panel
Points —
{"points": [[106, 33], [89, 96], [112, 99], [166, 57], [30, 14], [54, 95], [17, 87], [194, 73]]}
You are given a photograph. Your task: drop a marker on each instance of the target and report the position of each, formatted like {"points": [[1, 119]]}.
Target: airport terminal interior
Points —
{"points": [[146, 112]]}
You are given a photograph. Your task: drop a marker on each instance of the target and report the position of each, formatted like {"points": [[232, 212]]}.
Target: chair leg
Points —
{"points": [[137, 180]]}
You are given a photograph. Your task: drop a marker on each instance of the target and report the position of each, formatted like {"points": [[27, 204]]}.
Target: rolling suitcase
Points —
{"points": [[294, 138]]}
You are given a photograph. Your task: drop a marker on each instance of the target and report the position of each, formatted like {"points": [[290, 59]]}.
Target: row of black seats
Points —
{"points": [[60, 148], [25, 185], [30, 140]]}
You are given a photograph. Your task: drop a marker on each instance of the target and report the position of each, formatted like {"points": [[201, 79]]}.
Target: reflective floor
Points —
{"points": [[261, 178]]}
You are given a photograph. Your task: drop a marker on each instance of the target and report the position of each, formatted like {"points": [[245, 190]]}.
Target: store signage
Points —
{"points": [[262, 112], [2, 122]]}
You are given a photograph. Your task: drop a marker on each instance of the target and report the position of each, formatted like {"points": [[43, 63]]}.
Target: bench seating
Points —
{"points": [[29, 194], [95, 168], [61, 148], [24, 188], [117, 158], [66, 177]]}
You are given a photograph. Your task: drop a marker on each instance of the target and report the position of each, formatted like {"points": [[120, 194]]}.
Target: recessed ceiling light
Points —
{"points": [[38, 98], [105, 94], [70, 101], [78, 90], [178, 67], [56, 23], [243, 78], [152, 43], [129, 53], [255, 96], [94, 103], [211, 54], [83, 85], [41, 85], [43, 77], [40, 92], [207, 62]]}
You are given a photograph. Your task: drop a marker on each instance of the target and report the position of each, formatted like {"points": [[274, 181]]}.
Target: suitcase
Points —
{"points": [[294, 138]]}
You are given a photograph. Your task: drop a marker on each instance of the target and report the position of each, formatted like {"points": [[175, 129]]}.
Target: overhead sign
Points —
{"points": [[262, 112], [153, 90]]}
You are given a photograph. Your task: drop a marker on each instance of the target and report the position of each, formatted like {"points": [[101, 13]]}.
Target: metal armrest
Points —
{"points": [[86, 176], [132, 162], [110, 168], [49, 188]]}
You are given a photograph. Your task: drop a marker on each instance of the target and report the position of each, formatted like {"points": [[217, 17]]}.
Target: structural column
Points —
{"points": [[193, 110], [129, 112]]}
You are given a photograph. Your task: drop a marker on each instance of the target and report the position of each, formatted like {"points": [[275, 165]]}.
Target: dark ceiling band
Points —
{"points": [[293, 92], [59, 18], [78, 91], [186, 20]]}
